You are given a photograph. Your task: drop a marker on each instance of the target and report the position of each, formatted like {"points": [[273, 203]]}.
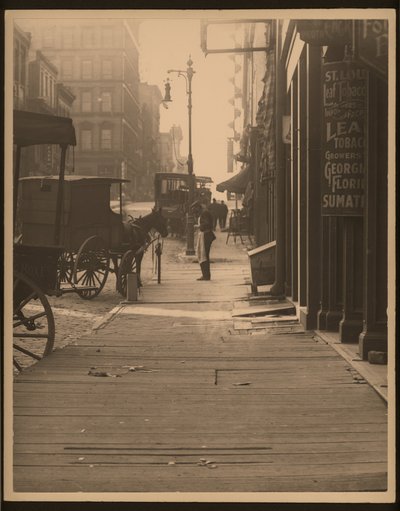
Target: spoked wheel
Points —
{"points": [[65, 268], [33, 323], [91, 268], [128, 265]]}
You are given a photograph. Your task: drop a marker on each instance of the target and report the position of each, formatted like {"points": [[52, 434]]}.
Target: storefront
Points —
{"points": [[331, 176]]}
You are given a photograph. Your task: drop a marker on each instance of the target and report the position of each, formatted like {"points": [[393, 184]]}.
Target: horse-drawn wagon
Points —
{"points": [[171, 192], [65, 232], [92, 235]]}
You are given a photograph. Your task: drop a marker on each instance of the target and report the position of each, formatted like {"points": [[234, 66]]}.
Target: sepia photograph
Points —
{"points": [[200, 255]]}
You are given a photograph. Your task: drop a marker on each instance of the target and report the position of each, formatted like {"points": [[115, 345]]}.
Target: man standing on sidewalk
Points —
{"points": [[205, 237]]}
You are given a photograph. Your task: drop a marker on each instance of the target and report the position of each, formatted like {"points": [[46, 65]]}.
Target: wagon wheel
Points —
{"points": [[91, 267], [65, 268], [33, 323], [128, 265]]}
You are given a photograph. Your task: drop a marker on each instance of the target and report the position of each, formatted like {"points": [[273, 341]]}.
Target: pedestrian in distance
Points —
{"points": [[223, 214], [205, 237]]}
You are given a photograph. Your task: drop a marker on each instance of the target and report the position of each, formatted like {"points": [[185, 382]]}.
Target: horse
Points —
{"points": [[136, 234]]}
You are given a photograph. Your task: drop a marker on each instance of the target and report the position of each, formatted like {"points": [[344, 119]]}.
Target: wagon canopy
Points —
{"points": [[237, 183], [31, 128]]}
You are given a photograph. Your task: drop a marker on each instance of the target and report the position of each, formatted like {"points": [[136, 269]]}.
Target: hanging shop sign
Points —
{"points": [[372, 44], [344, 138], [325, 32]]}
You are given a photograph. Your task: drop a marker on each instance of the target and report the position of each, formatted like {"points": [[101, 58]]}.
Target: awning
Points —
{"points": [[237, 183]]}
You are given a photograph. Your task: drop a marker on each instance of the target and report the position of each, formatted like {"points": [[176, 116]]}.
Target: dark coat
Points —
{"points": [[206, 221]]}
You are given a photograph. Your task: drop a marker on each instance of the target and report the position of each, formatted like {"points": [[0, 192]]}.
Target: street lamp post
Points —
{"points": [[188, 75]]}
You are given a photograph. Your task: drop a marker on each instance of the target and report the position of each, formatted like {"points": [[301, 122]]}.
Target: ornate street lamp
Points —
{"points": [[188, 75]]}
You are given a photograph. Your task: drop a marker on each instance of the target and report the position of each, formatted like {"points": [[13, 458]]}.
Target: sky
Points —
{"points": [[167, 44]]}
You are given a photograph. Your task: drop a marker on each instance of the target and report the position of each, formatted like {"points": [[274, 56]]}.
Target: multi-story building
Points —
{"points": [[22, 42], [167, 163], [150, 100], [98, 61], [36, 89], [318, 150], [43, 77], [180, 162]]}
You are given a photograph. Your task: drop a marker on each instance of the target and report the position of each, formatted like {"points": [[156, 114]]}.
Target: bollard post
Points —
{"points": [[131, 287]]}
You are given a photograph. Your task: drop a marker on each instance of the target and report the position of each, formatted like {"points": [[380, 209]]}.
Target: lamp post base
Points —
{"points": [[190, 252]]}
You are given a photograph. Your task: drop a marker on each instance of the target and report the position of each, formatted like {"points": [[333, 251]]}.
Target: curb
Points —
{"points": [[101, 323], [359, 365]]}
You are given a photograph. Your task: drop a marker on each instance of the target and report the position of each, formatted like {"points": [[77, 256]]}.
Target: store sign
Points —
{"points": [[372, 44], [344, 138], [325, 32]]}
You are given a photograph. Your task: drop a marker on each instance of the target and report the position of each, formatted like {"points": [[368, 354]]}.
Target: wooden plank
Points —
{"points": [[154, 458], [263, 310], [146, 423], [337, 419], [275, 449], [84, 431], [125, 483], [193, 469], [26, 405]]}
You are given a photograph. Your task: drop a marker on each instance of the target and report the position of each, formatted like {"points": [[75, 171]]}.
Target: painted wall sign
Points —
{"points": [[344, 138], [325, 32], [372, 44]]}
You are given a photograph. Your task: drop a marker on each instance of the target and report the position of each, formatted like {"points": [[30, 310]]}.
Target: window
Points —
{"points": [[16, 62], [86, 103], [87, 69], [41, 92], [86, 139], [48, 37], [66, 69], [107, 37], [23, 65], [106, 69], [105, 102], [88, 37], [105, 142], [51, 91], [67, 38]]}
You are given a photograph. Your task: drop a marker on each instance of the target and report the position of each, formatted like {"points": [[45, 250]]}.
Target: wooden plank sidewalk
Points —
{"points": [[168, 396]]}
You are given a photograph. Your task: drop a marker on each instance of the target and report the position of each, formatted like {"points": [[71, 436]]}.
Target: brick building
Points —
{"points": [[98, 61]]}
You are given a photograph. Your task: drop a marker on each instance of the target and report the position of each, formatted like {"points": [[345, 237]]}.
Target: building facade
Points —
{"points": [[331, 176], [166, 152], [98, 61], [21, 43], [37, 89], [150, 100], [317, 149]]}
